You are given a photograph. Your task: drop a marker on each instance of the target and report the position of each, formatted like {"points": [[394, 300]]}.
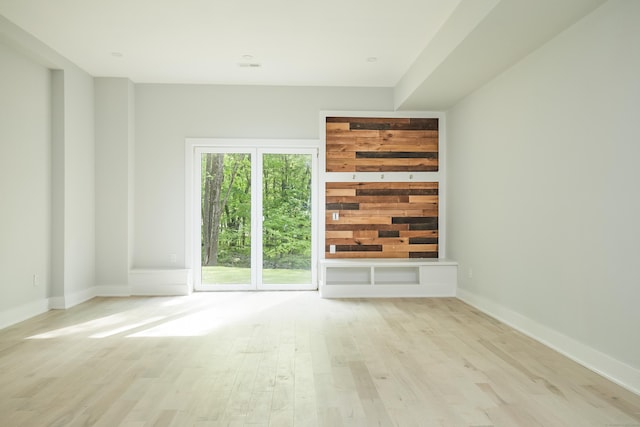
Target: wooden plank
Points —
{"points": [[383, 185], [395, 154], [391, 212], [424, 123], [385, 242], [346, 234], [336, 192], [363, 144], [418, 233], [388, 233], [415, 134], [391, 190], [396, 192], [337, 119], [398, 120], [345, 138], [411, 220], [342, 206], [412, 143], [369, 199], [338, 148], [342, 242], [400, 125], [369, 126], [347, 133], [386, 208], [365, 206], [382, 137], [340, 142], [392, 168], [362, 220], [367, 255], [341, 119], [380, 185], [423, 254], [387, 123], [412, 248], [394, 161], [365, 233], [341, 155], [333, 166], [357, 248], [341, 227], [337, 126], [423, 241], [423, 199]]}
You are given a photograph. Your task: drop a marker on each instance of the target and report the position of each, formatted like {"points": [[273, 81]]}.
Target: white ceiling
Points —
{"points": [[431, 52], [296, 42]]}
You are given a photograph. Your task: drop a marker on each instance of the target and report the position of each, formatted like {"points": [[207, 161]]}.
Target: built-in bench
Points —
{"points": [[160, 281], [371, 277]]}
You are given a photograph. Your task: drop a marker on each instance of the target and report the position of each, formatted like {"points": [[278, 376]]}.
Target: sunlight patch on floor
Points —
{"points": [[84, 327], [127, 327], [218, 310], [204, 322]]}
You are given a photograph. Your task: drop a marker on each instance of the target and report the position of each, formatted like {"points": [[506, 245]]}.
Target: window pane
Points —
{"points": [[286, 204], [226, 218]]}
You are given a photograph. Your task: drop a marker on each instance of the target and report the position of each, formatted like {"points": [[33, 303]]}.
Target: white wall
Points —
{"points": [[167, 114], [544, 196], [25, 181], [68, 155], [79, 171], [113, 120]]}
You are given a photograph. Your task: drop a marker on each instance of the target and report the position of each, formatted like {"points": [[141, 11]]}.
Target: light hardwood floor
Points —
{"points": [[291, 358]]}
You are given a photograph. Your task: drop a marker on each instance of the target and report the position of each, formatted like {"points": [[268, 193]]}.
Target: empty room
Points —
{"points": [[320, 213]]}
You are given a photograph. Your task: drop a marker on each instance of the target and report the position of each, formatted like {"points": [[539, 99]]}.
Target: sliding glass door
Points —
{"points": [[226, 219], [286, 232], [257, 223]]}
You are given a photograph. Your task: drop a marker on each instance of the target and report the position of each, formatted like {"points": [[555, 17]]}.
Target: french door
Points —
{"points": [[257, 223]]}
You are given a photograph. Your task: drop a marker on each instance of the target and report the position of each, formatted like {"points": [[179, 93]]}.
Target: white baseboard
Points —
{"points": [[159, 290], [113, 291], [23, 312], [616, 371], [160, 282], [57, 303]]}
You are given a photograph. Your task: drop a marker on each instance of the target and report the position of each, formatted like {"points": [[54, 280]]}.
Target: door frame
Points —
{"points": [[193, 148]]}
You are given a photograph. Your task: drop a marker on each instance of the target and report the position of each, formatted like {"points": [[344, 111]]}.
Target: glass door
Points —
{"points": [[226, 216], [256, 218], [287, 209]]}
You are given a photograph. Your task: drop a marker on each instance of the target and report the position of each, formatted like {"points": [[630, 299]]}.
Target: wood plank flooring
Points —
{"points": [[291, 358]]}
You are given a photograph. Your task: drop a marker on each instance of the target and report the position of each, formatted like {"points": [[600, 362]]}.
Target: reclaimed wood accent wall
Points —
{"points": [[366, 144], [381, 219]]}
